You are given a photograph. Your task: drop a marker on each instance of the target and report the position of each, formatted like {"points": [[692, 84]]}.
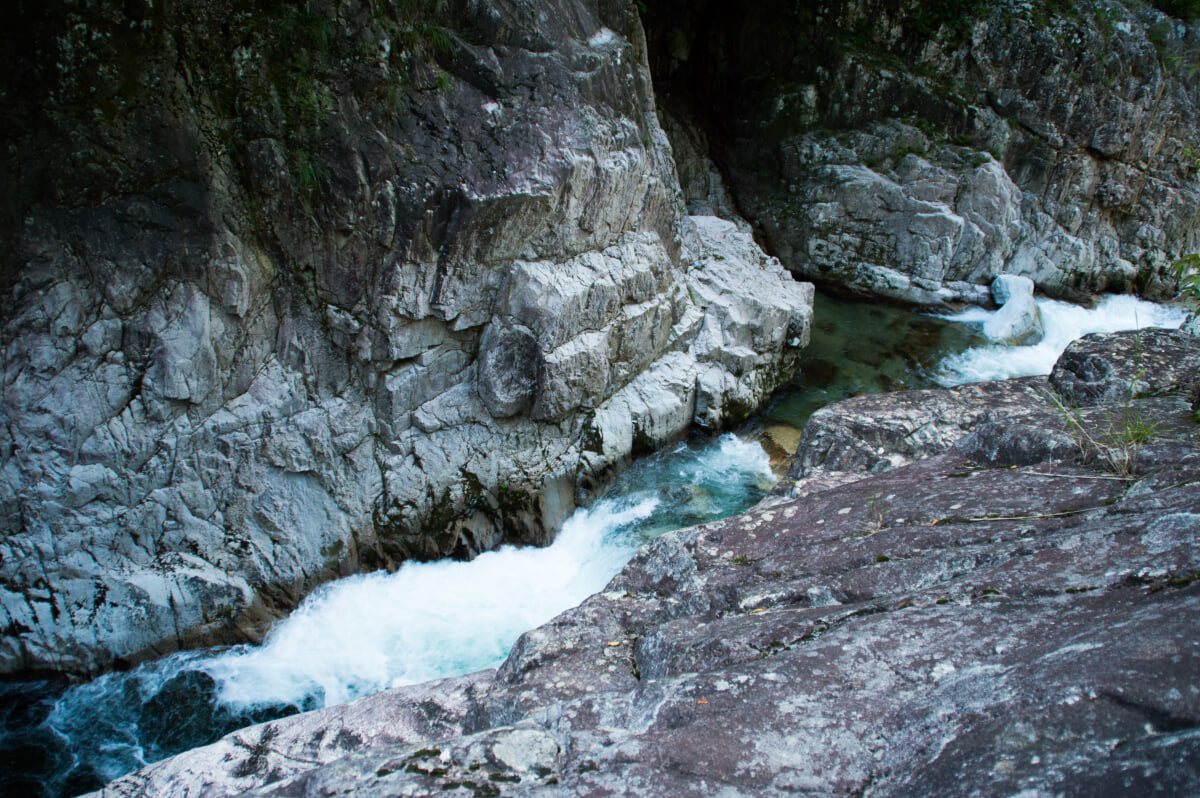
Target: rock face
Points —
{"points": [[916, 150], [1004, 614], [292, 293]]}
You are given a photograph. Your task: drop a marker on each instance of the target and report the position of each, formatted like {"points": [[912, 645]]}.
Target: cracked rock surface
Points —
{"points": [[391, 281], [1001, 613], [916, 151]]}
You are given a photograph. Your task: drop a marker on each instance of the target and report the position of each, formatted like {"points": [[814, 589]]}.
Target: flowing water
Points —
{"points": [[1063, 323], [365, 633], [351, 637]]}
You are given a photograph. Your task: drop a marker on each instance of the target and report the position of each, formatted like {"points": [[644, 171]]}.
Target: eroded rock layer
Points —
{"points": [[292, 292], [1008, 610]]}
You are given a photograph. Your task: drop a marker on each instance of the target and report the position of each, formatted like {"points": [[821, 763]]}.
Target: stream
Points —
{"points": [[347, 640]]}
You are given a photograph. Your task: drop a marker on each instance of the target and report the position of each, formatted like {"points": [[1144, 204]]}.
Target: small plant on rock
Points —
{"points": [[1187, 271], [1116, 443], [878, 509]]}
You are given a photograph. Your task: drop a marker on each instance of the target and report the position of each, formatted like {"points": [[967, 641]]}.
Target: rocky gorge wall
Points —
{"points": [[984, 603], [917, 150], [294, 292], [291, 293]]}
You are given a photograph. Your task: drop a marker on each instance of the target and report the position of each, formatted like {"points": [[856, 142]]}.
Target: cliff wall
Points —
{"points": [[291, 292], [917, 150]]}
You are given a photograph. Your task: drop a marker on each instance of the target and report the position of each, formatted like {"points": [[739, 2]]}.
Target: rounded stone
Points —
{"points": [[508, 369]]}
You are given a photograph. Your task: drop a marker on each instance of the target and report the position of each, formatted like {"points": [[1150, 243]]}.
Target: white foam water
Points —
{"points": [[366, 633], [427, 620], [1063, 323], [432, 620]]}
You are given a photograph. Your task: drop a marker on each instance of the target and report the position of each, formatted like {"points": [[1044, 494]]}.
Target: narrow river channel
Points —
{"points": [[366, 633]]}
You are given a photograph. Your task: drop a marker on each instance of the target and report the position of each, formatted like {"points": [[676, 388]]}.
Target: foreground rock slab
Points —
{"points": [[1004, 614]]}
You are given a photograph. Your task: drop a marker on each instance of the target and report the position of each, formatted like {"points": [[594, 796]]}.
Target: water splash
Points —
{"points": [[432, 620], [426, 621], [369, 632], [1063, 323]]}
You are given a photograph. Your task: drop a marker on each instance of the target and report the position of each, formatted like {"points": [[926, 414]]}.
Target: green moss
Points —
{"points": [[513, 500], [902, 152], [426, 753], [1183, 581], [1183, 9]]}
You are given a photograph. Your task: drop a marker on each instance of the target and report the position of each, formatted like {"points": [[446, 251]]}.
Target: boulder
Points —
{"points": [[1018, 322], [1101, 368]]}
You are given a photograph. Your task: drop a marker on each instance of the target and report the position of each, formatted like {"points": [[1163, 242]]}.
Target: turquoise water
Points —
{"points": [[857, 348], [348, 640]]}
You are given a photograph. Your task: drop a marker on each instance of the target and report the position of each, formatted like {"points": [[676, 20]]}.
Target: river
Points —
{"points": [[430, 620]]}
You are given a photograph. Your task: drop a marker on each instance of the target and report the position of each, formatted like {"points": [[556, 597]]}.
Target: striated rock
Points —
{"points": [[321, 289], [864, 435], [971, 622], [700, 181], [917, 151], [756, 321]]}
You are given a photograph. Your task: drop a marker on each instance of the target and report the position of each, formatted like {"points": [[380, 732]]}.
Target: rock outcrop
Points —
{"points": [[916, 151], [290, 293], [1019, 322], [1003, 614]]}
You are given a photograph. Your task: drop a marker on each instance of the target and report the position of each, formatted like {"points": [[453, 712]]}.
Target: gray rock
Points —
{"points": [[936, 148], [757, 319], [382, 311], [1122, 366], [508, 369], [875, 433], [962, 624], [1019, 321]]}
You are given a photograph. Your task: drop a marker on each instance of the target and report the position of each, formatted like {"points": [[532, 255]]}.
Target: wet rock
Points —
{"points": [[997, 615], [1018, 322], [273, 323]]}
